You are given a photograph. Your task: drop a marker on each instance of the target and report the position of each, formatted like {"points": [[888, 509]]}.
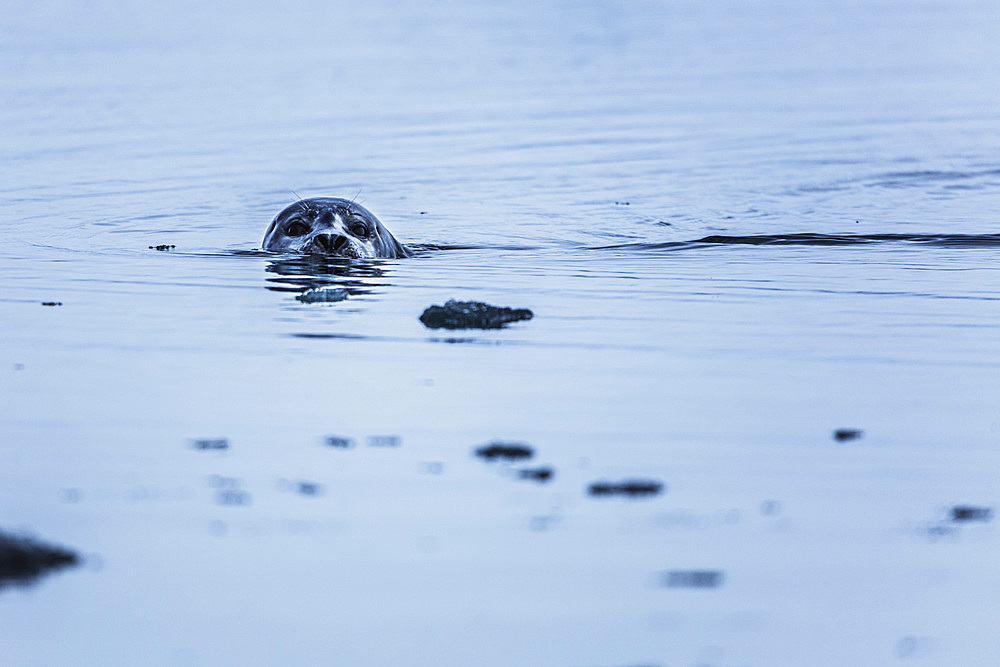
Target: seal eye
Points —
{"points": [[297, 228], [359, 229]]}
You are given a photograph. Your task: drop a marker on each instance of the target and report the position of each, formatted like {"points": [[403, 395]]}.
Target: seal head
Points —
{"points": [[331, 226]]}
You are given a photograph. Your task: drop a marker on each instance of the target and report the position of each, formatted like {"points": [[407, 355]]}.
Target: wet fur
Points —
{"points": [[331, 226]]}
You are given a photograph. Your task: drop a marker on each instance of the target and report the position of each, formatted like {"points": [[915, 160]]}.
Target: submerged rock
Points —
{"points": [[846, 434], [541, 475], [23, 559], [630, 488], [322, 295], [384, 441], [211, 444], [233, 497], [309, 488], [692, 578], [471, 315], [505, 451], [971, 513]]}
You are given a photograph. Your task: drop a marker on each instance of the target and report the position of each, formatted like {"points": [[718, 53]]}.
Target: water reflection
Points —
{"points": [[302, 272]]}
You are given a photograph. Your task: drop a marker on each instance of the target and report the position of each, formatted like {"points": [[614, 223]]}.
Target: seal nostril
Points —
{"points": [[322, 242], [340, 243], [331, 244]]}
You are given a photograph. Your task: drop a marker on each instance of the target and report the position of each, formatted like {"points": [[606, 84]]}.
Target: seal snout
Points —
{"points": [[332, 244], [331, 226]]}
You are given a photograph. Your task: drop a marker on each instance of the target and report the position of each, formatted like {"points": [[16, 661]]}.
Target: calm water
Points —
{"points": [[566, 152]]}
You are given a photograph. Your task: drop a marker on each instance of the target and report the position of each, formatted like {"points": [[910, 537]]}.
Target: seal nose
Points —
{"points": [[333, 244]]}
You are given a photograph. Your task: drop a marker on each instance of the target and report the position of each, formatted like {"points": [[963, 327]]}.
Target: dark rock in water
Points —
{"points": [[384, 441], [162, 247], [471, 315], [940, 531], [209, 444], [22, 559], [543, 474], [233, 497], [322, 295], [629, 488], [692, 578], [509, 451], [770, 507], [971, 513], [309, 488], [339, 442], [845, 434], [51, 303]]}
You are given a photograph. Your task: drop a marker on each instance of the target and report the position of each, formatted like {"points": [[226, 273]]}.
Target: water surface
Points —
{"points": [[740, 227]]}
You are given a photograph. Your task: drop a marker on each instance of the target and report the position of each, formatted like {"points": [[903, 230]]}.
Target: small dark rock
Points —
{"points": [[509, 451], [23, 559], [941, 530], [692, 578], [971, 513], [384, 441], [339, 442], [232, 497], [846, 434], [543, 474], [162, 246], [51, 303], [309, 488], [211, 444], [471, 315], [770, 507], [629, 488], [323, 295]]}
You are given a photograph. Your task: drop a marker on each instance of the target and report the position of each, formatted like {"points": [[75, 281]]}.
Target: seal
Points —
{"points": [[331, 226]]}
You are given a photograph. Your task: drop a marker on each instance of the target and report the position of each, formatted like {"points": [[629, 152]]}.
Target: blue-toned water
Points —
{"points": [[740, 226]]}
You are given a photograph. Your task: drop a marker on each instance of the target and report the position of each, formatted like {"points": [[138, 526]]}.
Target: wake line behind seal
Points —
{"points": [[332, 226]]}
